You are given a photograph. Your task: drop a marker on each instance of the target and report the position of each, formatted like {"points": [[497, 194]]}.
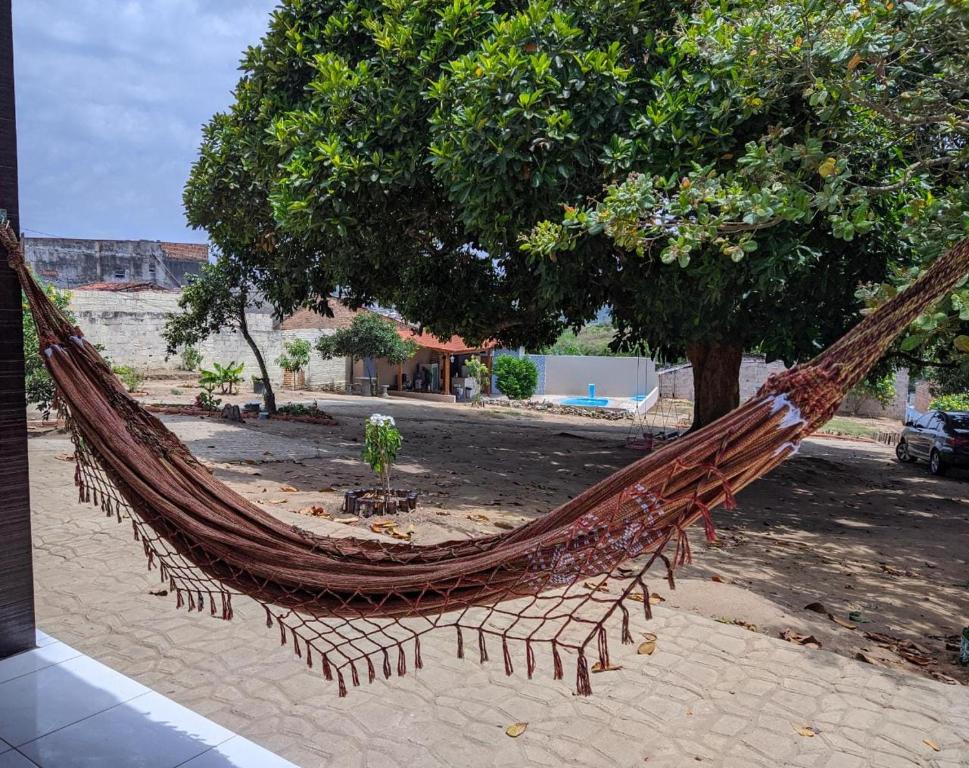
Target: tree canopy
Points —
{"points": [[731, 173], [368, 336]]}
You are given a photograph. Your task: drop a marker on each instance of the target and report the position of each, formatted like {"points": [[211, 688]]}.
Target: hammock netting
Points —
{"points": [[358, 608]]}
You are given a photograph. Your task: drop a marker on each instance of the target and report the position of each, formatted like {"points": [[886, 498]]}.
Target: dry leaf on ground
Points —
{"points": [[596, 587], [842, 622], [478, 518], [808, 641], [288, 489], [516, 729], [932, 745], [316, 511], [805, 730], [598, 667], [648, 646]]}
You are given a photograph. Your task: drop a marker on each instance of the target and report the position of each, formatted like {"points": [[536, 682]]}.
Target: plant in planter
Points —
{"points": [[382, 441], [295, 359], [258, 385]]}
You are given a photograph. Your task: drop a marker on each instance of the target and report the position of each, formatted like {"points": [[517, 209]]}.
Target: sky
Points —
{"points": [[111, 99]]}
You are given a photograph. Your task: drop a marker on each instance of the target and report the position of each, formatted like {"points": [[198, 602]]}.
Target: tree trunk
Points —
{"points": [[716, 380], [268, 396]]}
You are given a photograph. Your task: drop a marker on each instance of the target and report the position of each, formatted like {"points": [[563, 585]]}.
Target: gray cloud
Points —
{"points": [[111, 98]]}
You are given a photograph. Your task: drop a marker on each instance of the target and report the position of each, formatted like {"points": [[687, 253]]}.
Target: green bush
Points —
{"points": [[38, 383], [191, 358], [881, 389], [131, 378], [517, 376], [225, 377], [959, 402]]}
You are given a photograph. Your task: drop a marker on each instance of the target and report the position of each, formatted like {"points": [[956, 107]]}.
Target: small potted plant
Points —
{"points": [[382, 441], [293, 363], [258, 385]]}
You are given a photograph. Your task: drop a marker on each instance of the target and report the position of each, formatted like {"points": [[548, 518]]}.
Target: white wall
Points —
{"points": [[613, 376], [129, 326]]}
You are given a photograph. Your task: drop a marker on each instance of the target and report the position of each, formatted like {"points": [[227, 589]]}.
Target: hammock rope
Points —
{"points": [[353, 606]]}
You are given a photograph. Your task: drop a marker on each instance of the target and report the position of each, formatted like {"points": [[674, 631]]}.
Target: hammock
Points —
{"points": [[347, 605]]}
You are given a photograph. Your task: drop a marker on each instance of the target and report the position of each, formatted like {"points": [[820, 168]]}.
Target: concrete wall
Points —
{"points": [[130, 325], [68, 263], [677, 382]]}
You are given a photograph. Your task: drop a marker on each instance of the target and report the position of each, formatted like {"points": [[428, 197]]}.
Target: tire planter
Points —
{"points": [[367, 502]]}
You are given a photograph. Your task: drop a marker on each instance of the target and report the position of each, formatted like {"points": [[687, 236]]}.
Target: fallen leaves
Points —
{"points": [[390, 528], [648, 646], [841, 622], [65, 457], [600, 667], [316, 511], [737, 623], [596, 587], [516, 729], [932, 745], [908, 650], [808, 641], [719, 579], [806, 731], [479, 518], [288, 489]]}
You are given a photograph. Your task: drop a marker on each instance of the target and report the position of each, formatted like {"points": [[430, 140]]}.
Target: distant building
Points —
{"points": [[69, 263]]}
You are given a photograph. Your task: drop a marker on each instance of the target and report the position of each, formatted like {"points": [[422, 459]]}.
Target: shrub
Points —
{"points": [[881, 389], [958, 402], [296, 357], [131, 378], [226, 377], [517, 376], [479, 372], [38, 383], [191, 358]]}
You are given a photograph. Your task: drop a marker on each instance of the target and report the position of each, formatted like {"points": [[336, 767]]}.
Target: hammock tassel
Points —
{"points": [[354, 677], [371, 672], [296, 649], [179, 602], [509, 669], [482, 646], [227, 606], [401, 661], [603, 648], [282, 632], [342, 684], [418, 661], [309, 655], [583, 686], [557, 670], [327, 672], [529, 659], [269, 618], [460, 644], [627, 637], [387, 670]]}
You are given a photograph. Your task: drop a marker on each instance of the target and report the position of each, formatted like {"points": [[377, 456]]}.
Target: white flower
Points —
{"points": [[381, 421]]}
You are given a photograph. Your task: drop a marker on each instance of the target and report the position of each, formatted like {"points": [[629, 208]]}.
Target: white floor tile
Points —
{"points": [[36, 704], [238, 753], [15, 760], [44, 639], [150, 731], [32, 661], [4, 747]]}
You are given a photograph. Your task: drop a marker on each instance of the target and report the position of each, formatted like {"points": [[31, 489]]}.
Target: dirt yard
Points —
{"points": [[878, 550]]}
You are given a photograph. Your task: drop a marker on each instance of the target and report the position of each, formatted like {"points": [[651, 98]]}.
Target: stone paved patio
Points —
{"points": [[712, 694]]}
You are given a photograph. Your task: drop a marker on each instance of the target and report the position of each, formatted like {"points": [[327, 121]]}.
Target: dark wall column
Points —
{"points": [[16, 567]]}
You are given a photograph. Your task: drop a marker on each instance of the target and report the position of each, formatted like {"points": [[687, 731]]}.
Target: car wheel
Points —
{"points": [[901, 452], [936, 467]]}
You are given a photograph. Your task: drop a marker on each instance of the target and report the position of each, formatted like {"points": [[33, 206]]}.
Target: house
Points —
{"points": [[71, 263]]}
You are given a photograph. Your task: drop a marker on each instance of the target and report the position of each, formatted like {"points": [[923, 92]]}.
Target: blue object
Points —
{"points": [[592, 391], [587, 402], [638, 398]]}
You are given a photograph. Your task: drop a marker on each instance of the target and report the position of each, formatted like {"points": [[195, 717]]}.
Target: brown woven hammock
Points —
{"points": [[346, 604]]}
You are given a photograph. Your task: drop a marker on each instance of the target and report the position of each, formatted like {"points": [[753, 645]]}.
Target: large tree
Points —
{"points": [[398, 151]]}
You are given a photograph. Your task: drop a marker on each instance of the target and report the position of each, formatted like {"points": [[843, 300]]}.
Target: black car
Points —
{"points": [[939, 437]]}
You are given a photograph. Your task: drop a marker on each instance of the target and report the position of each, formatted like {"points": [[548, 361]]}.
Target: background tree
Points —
{"points": [[369, 336], [754, 166], [216, 300], [38, 383]]}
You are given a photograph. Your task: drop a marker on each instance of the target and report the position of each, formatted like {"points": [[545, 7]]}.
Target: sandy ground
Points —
{"points": [[882, 547]]}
